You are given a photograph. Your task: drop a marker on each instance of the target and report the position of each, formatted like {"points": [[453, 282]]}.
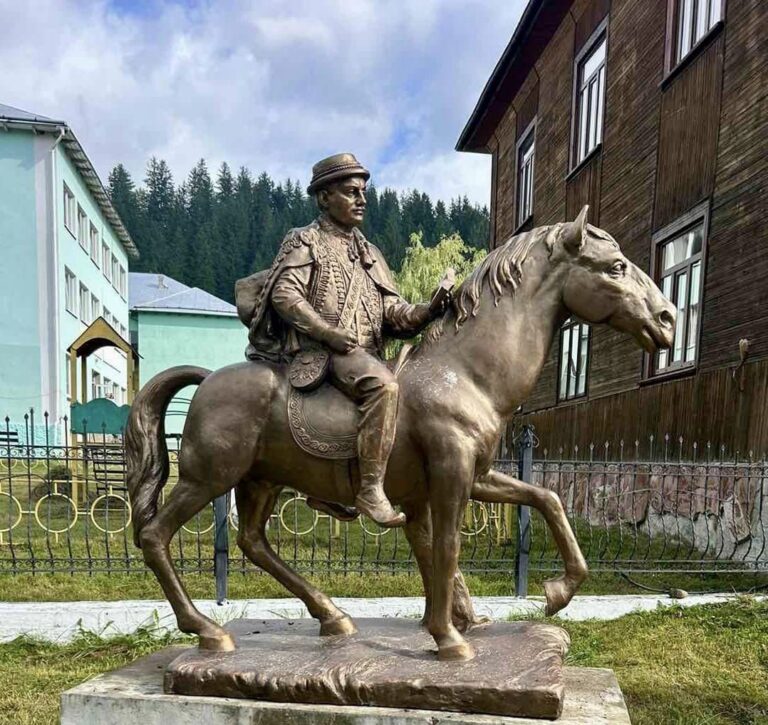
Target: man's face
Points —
{"points": [[345, 201]]}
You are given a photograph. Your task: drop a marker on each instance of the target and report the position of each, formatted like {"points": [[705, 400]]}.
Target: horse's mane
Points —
{"points": [[503, 267]]}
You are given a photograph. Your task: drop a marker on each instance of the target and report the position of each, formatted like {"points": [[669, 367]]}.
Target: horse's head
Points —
{"points": [[603, 286]]}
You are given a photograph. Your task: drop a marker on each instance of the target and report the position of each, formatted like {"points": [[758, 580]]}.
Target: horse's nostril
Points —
{"points": [[666, 318]]}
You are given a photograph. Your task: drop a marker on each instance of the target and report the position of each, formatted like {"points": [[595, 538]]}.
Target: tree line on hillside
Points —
{"points": [[208, 233]]}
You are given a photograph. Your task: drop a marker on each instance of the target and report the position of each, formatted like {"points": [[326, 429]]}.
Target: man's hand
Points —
{"points": [[340, 339]]}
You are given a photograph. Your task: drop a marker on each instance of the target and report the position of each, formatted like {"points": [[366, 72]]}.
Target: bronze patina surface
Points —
{"points": [[390, 663], [441, 415]]}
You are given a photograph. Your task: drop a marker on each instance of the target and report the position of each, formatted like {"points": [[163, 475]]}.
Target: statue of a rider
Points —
{"points": [[326, 306]]}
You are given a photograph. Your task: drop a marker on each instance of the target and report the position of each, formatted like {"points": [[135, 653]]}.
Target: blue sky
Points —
{"points": [[269, 84]]}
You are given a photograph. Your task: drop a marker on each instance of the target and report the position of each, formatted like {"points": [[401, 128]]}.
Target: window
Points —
{"points": [[693, 20], [526, 151], [70, 292], [116, 393], [69, 210], [123, 332], [105, 263], [95, 308], [121, 284], [679, 266], [85, 304], [574, 357], [82, 228], [108, 316], [589, 97], [95, 385], [115, 274], [95, 244]]}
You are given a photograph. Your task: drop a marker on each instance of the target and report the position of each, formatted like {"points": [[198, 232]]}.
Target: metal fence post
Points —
{"points": [[221, 546], [525, 470]]}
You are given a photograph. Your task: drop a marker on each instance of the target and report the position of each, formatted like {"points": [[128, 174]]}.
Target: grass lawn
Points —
{"points": [[702, 665]]}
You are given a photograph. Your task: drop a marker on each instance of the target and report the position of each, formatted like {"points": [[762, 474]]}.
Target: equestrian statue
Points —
{"points": [[315, 407]]}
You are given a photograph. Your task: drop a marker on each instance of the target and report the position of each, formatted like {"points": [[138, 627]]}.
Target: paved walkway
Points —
{"points": [[60, 621]]}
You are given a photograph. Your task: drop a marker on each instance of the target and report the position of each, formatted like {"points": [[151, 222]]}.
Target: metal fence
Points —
{"points": [[677, 509]]}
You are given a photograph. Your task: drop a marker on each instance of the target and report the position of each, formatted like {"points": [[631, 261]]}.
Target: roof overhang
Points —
{"points": [[84, 166], [538, 23]]}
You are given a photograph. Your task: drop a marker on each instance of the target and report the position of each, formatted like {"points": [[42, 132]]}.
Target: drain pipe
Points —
{"points": [[56, 288]]}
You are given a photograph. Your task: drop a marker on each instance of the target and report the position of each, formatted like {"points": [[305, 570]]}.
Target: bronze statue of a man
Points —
{"points": [[326, 306]]}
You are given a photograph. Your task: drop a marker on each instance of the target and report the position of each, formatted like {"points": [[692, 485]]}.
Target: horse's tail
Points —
{"points": [[145, 449]]}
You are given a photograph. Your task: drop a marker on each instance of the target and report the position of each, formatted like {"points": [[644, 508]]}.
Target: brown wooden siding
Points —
{"points": [[703, 408], [667, 145], [736, 292], [690, 113], [587, 19], [583, 187], [527, 107]]}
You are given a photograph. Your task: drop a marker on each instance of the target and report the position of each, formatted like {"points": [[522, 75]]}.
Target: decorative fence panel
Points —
{"points": [[64, 508]]}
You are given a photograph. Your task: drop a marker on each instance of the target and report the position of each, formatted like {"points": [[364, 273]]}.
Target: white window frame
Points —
{"points": [[122, 281], [693, 21], [82, 228], [572, 371], [95, 307], [589, 97], [105, 257], [114, 277], [95, 239], [85, 304], [526, 163], [675, 283], [70, 292], [70, 211]]}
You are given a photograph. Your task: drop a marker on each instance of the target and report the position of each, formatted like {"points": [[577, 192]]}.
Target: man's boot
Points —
{"points": [[371, 499]]}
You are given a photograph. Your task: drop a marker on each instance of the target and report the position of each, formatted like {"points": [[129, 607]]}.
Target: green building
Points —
{"points": [[172, 324], [65, 255]]}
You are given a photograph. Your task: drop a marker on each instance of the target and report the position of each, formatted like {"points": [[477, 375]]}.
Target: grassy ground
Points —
{"points": [[697, 666], [114, 587]]}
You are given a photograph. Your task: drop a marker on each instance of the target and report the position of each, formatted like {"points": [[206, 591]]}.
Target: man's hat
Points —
{"points": [[338, 166]]}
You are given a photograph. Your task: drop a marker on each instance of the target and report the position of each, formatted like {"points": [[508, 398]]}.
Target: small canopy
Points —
{"points": [[97, 335]]}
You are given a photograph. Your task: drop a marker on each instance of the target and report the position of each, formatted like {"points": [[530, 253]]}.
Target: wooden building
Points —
{"points": [[654, 113]]}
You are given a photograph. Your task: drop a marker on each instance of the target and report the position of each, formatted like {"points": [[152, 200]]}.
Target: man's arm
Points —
{"points": [[403, 319], [289, 299]]}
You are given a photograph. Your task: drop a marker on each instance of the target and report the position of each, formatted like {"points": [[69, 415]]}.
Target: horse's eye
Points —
{"points": [[619, 269]]}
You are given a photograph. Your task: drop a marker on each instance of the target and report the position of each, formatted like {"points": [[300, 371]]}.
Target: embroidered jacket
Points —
{"points": [[288, 307]]}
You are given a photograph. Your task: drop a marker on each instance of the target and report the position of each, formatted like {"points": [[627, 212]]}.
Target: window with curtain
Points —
{"points": [[694, 19]]}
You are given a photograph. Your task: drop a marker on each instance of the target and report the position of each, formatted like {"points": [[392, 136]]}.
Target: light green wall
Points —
{"points": [[110, 363], [19, 334], [166, 339]]}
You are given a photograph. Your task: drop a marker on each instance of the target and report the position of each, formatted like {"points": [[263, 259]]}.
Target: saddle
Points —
{"points": [[324, 421]]}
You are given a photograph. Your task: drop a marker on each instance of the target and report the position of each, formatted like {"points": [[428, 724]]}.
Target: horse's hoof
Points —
{"points": [[456, 653], [333, 627], [559, 593], [217, 643]]}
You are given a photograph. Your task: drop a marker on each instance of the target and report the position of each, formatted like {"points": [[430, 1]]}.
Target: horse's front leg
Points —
{"points": [[496, 487], [451, 471]]}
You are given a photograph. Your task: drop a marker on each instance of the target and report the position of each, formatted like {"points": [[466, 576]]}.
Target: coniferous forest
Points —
{"points": [[207, 232]]}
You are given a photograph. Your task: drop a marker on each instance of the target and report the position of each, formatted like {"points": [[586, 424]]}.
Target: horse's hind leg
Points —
{"points": [[255, 502], [187, 498], [496, 487]]}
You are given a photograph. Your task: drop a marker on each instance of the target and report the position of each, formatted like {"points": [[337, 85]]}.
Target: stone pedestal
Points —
{"points": [[386, 674], [517, 670]]}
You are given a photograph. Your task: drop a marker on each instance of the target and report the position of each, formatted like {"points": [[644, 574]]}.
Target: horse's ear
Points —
{"points": [[574, 233]]}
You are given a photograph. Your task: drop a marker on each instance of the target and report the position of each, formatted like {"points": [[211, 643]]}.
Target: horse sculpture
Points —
{"points": [[457, 390]]}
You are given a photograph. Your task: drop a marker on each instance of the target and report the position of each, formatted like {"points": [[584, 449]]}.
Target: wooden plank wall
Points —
{"points": [[736, 297], [690, 114], [702, 134], [715, 411]]}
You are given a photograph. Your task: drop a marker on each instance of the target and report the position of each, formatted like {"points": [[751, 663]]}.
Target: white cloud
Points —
{"points": [[263, 83]]}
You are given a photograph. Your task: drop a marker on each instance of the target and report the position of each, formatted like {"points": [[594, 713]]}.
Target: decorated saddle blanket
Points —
{"points": [[324, 421]]}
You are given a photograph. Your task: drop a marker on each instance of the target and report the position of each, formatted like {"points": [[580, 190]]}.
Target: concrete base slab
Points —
{"points": [[134, 694]]}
